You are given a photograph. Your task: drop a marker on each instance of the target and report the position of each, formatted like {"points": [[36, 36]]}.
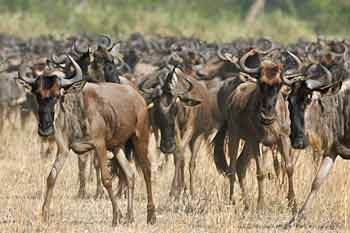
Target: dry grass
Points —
{"points": [[23, 173]]}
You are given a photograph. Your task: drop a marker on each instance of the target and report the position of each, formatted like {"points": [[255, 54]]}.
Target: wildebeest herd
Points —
{"points": [[91, 94]]}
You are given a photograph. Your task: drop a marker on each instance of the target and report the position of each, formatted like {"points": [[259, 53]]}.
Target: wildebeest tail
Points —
{"points": [[116, 169], [128, 149], [219, 152]]}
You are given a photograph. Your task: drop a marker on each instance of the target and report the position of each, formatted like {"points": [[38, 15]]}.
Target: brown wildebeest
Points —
{"points": [[179, 125], [95, 117], [322, 123], [224, 66], [97, 66], [255, 111]]}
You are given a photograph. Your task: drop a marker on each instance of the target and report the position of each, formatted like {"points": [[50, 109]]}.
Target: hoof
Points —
{"points": [[293, 207], [117, 218], [151, 217], [261, 205], [98, 194], [82, 195], [45, 215], [130, 219]]}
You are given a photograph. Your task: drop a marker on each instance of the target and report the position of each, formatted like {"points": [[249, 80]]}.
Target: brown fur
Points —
{"points": [[103, 117], [270, 73], [242, 111]]}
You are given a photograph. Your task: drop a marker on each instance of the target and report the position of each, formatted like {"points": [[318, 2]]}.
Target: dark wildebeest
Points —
{"points": [[181, 126], [255, 111], [323, 122], [95, 117]]}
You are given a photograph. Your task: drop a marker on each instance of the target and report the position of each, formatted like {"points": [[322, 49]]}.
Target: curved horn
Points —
{"points": [[243, 60], [272, 47], [313, 84], [244, 77], [296, 58], [77, 77], [58, 60], [78, 49], [329, 75], [148, 91], [346, 49], [22, 75], [122, 64], [289, 80], [161, 82], [219, 53], [109, 40]]}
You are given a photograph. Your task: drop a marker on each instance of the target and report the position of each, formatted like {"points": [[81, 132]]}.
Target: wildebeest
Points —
{"points": [[254, 110], [323, 122], [183, 113], [85, 117], [97, 66]]}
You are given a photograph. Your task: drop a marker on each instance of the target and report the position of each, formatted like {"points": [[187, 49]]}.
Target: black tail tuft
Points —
{"points": [[129, 147], [116, 170], [219, 153]]}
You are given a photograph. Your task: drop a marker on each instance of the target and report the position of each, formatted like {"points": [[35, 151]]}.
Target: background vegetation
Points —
{"points": [[284, 20]]}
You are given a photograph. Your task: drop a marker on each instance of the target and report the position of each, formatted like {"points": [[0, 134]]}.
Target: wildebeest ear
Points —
{"points": [[26, 86], [331, 90], [189, 101], [75, 87]]}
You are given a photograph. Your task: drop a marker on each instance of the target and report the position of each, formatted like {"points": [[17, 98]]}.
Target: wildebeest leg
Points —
{"points": [[194, 145], [316, 157], [233, 150], [177, 183], [101, 154], [186, 139], [285, 151], [122, 185], [141, 157], [179, 177], [51, 180], [260, 174], [91, 168], [276, 163], [99, 188], [130, 179], [158, 152], [82, 162], [324, 170], [242, 165]]}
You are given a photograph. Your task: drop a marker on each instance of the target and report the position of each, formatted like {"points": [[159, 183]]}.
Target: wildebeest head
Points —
{"points": [[317, 79], [327, 52], [269, 84], [48, 86], [105, 62], [80, 53], [269, 74], [164, 102]]}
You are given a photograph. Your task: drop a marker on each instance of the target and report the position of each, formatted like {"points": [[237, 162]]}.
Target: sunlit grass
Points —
{"points": [[173, 19]]}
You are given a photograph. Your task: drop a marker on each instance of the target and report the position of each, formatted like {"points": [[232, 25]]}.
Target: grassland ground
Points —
{"points": [[23, 174]]}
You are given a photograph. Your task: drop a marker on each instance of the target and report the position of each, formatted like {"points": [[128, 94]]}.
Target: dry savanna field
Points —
{"points": [[24, 170]]}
